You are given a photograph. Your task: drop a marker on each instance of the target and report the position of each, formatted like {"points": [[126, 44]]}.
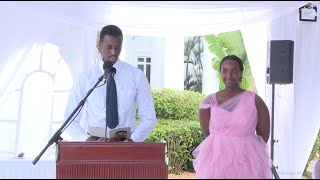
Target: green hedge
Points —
{"points": [[181, 137], [177, 104], [315, 153]]}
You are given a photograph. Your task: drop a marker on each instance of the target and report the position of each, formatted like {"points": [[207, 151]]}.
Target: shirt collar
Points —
{"points": [[118, 65]]}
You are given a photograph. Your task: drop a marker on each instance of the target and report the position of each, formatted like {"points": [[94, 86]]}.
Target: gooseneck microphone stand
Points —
{"points": [[56, 137]]}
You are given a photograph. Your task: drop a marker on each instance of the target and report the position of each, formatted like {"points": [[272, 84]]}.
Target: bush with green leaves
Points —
{"points": [[182, 137], [315, 153], [177, 104]]}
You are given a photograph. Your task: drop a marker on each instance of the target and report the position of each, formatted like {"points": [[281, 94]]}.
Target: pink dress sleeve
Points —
{"points": [[208, 102]]}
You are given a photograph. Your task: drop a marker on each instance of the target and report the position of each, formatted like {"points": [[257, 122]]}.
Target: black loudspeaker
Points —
{"points": [[280, 62]]}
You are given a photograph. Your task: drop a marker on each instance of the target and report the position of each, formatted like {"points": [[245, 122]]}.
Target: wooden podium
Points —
{"points": [[111, 160]]}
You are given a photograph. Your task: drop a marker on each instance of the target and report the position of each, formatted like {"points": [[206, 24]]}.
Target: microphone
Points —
{"points": [[107, 66]]}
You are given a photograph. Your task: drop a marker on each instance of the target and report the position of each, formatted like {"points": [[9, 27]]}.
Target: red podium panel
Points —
{"points": [[111, 160]]}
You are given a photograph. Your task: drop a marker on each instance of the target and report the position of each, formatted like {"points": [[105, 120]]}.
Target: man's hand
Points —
{"points": [[120, 139], [90, 139], [128, 140], [101, 139], [114, 139]]}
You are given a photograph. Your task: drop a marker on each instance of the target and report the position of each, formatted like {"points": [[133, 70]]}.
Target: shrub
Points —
{"points": [[316, 148], [177, 105], [182, 137], [314, 155]]}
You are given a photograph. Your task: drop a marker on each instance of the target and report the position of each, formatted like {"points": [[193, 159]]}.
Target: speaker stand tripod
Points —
{"points": [[273, 168]]}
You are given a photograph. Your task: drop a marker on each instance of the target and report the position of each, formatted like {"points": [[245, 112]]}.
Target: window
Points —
{"points": [[144, 64]]}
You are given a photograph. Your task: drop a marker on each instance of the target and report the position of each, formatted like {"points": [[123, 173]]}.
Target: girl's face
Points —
{"points": [[230, 73]]}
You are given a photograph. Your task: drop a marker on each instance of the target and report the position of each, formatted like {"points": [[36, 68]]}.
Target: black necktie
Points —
{"points": [[111, 101]]}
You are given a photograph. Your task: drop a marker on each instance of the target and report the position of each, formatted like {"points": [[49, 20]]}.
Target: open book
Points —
{"points": [[100, 132]]}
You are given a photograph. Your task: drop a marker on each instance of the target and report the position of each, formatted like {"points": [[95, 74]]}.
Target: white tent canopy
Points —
{"points": [[69, 29]]}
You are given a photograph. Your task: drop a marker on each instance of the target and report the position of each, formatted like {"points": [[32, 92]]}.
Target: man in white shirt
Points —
{"points": [[133, 90]]}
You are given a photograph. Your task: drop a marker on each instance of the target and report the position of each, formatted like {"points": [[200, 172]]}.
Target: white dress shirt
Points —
{"points": [[133, 90]]}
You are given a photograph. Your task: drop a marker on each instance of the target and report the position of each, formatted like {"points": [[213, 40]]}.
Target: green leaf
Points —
{"points": [[215, 47], [233, 44], [230, 43], [216, 64]]}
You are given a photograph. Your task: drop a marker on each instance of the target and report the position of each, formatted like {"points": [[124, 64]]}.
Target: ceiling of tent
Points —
{"points": [[157, 16]]}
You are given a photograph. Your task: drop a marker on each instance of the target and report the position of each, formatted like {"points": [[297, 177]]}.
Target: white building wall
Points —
{"points": [[167, 56], [147, 46], [210, 80], [174, 62], [157, 67]]}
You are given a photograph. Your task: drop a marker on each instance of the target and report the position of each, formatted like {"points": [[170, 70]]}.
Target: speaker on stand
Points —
{"points": [[279, 71]]}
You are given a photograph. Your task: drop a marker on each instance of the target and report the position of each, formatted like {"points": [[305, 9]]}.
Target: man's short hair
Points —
{"points": [[111, 30]]}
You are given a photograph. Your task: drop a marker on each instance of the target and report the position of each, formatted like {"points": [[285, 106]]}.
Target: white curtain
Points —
{"points": [[296, 121], [67, 30], [40, 57], [296, 106]]}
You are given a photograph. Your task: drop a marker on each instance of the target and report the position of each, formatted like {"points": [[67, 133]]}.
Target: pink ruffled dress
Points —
{"points": [[232, 150]]}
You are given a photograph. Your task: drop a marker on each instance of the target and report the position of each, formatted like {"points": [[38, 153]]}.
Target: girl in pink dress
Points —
{"points": [[236, 126]]}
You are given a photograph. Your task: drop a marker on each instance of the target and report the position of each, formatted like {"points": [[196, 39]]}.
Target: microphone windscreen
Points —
{"points": [[107, 64]]}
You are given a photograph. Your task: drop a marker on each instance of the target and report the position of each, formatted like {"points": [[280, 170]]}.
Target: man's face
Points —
{"points": [[111, 48]]}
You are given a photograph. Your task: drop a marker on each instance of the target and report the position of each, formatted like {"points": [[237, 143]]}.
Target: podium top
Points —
{"points": [[111, 151]]}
